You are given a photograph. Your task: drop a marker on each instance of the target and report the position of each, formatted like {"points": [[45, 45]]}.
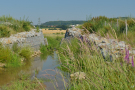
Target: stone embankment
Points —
{"points": [[31, 38], [111, 48]]}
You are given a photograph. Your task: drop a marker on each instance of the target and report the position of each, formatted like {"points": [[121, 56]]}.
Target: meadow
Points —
{"points": [[47, 31]]}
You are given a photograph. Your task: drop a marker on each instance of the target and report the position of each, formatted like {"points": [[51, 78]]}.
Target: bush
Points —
{"points": [[37, 29], [4, 32], [15, 61], [26, 52], [15, 48], [5, 54], [26, 26], [43, 48], [10, 26]]}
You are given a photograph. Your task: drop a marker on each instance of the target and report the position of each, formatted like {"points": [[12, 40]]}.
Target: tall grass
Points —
{"points": [[53, 44], [97, 25], [9, 25], [26, 52], [8, 57], [79, 56], [12, 57]]}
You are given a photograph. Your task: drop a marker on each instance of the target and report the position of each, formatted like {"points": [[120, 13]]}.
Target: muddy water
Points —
{"points": [[43, 67]]}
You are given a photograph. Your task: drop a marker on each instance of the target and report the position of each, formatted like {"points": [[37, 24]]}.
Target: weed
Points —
{"points": [[26, 52], [80, 57], [37, 29]]}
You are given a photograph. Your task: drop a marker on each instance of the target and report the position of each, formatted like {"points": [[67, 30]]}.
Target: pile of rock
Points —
{"points": [[36, 53], [31, 38], [73, 32], [107, 47]]}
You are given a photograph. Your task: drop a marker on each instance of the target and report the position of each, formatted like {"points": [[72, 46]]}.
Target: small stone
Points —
{"points": [[2, 65], [78, 75]]}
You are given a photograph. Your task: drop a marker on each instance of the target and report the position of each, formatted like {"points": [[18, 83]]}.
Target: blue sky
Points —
{"points": [[52, 10]]}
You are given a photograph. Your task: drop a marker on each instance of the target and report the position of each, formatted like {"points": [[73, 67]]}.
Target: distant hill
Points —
{"points": [[56, 23], [123, 18]]}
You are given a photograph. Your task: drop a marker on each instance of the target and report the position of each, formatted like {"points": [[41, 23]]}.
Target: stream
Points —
{"points": [[42, 67]]}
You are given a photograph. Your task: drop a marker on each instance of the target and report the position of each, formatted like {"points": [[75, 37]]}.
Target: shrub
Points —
{"points": [[26, 26], [15, 61], [15, 48], [4, 32], [5, 54], [37, 29], [26, 52], [43, 48]]}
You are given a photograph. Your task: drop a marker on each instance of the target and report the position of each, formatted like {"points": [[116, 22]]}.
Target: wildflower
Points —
{"points": [[127, 55], [132, 61]]}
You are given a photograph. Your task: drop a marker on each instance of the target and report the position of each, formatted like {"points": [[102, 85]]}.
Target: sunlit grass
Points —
{"points": [[78, 56]]}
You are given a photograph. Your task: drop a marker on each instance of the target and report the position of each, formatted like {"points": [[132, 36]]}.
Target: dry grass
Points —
{"points": [[52, 31], [54, 35]]}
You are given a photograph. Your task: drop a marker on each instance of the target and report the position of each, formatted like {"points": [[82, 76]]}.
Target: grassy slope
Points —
{"points": [[97, 25], [80, 57]]}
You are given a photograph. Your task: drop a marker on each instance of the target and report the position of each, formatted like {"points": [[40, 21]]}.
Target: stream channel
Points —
{"points": [[42, 67]]}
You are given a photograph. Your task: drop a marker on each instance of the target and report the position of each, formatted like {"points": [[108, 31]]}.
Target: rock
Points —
{"points": [[113, 41], [73, 32], [2, 65], [102, 45], [132, 52], [22, 59], [78, 75], [122, 44], [8, 41], [104, 40]]}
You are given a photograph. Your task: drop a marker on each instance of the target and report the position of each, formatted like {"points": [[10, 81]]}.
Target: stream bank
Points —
{"points": [[43, 67]]}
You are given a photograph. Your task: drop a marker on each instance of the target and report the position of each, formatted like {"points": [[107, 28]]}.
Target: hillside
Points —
{"points": [[55, 23]]}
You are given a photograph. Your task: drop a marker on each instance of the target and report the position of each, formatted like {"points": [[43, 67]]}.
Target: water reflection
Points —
{"points": [[44, 67]]}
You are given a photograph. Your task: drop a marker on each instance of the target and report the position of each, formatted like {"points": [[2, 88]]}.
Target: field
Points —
{"points": [[46, 31]]}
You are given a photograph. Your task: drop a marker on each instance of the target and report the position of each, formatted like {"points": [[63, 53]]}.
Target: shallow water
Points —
{"points": [[43, 67]]}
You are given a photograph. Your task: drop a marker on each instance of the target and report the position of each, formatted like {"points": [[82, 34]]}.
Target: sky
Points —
{"points": [[54, 10]]}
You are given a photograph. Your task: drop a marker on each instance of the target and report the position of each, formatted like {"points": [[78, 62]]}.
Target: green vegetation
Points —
{"points": [[9, 25], [12, 57], [37, 29], [7, 56], [26, 52], [60, 24], [109, 26], [100, 74], [56, 23], [53, 43], [24, 83]]}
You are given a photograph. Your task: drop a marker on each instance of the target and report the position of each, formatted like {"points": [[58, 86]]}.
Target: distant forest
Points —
{"points": [[56, 23], [60, 24]]}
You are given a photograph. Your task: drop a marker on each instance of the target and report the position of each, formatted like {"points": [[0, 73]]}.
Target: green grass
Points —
{"points": [[12, 57], [100, 74], [26, 52], [9, 25], [53, 43], [97, 25]]}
